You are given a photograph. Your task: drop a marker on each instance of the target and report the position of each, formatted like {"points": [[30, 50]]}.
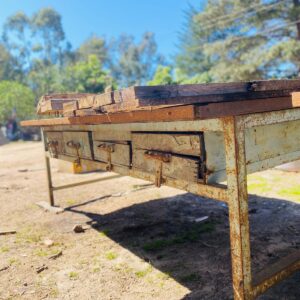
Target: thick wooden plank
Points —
{"points": [[164, 114], [53, 103], [214, 110], [77, 137], [207, 93], [87, 101], [85, 112], [179, 167], [179, 143], [119, 156], [69, 108]]}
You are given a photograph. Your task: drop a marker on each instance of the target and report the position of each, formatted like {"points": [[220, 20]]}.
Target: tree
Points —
{"points": [[242, 40], [87, 76], [7, 70], [15, 97], [47, 29], [16, 33], [134, 63], [93, 46], [163, 75]]}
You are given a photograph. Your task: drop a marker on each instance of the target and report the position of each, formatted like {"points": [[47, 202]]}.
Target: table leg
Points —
{"points": [[234, 138]]}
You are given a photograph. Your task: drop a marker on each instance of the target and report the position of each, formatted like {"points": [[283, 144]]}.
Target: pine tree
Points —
{"points": [[242, 40]]}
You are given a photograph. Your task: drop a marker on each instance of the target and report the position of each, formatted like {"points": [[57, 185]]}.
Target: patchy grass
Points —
{"points": [[29, 235], [4, 249], [46, 252], [292, 192], [104, 232], [71, 202], [73, 275], [111, 255], [258, 185], [191, 235], [96, 269], [14, 261], [143, 273]]}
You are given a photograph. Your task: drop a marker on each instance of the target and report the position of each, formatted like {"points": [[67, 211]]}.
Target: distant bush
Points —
{"points": [[15, 97]]}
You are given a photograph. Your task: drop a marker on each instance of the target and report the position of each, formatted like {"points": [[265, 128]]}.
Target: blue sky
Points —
{"points": [[110, 18]]}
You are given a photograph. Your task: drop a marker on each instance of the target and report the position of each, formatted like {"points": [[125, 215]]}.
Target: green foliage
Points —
{"points": [[15, 96], [93, 46], [87, 76], [162, 75], [241, 40]]}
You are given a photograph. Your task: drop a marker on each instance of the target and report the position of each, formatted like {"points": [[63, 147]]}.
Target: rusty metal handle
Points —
{"points": [[157, 155], [106, 147], [73, 145], [52, 144]]}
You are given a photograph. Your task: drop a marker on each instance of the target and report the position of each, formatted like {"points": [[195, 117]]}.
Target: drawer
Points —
{"points": [[78, 143], [169, 155], [115, 153], [172, 165], [177, 143], [54, 143]]}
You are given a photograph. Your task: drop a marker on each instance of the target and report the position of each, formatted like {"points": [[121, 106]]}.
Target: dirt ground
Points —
{"points": [[140, 242]]}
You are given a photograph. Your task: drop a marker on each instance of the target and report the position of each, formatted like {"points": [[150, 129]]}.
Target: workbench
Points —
{"points": [[207, 157]]}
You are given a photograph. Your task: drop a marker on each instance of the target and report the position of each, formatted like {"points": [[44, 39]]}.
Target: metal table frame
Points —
{"points": [[245, 285]]}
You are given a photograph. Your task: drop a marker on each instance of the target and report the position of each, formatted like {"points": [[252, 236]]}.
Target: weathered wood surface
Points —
{"points": [[178, 143], [71, 138], [120, 154], [69, 108], [179, 167], [137, 97], [53, 103], [54, 142]]}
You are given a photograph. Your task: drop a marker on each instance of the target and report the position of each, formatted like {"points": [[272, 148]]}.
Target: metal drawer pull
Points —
{"points": [[160, 158], [109, 148], [75, 146], [53, 146]]}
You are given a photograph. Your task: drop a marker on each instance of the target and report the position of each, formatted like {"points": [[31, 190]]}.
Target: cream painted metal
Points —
{"points": [[235, 147]]}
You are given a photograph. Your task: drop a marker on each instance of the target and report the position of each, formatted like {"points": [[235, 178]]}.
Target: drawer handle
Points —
{"points": [[157, 155], [53, 145], [109, 148], [160, 158], [73, 145]]}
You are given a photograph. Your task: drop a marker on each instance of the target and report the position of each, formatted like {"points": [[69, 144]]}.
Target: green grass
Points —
{"points": [[104, 232], [4, 249], [293, 192], [14, 261], [29, 235], [191, 235], [143, 273], [73, 275], [259, 185], [111, 255]]}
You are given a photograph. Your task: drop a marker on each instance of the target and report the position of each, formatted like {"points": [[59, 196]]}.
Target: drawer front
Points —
{"points": [[172, 155], [78, 143], [54, 143], [176, 167], [177, 143], [112, 152]]}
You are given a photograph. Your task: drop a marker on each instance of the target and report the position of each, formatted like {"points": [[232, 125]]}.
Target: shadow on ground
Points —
{"points": [[197, 255]]}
